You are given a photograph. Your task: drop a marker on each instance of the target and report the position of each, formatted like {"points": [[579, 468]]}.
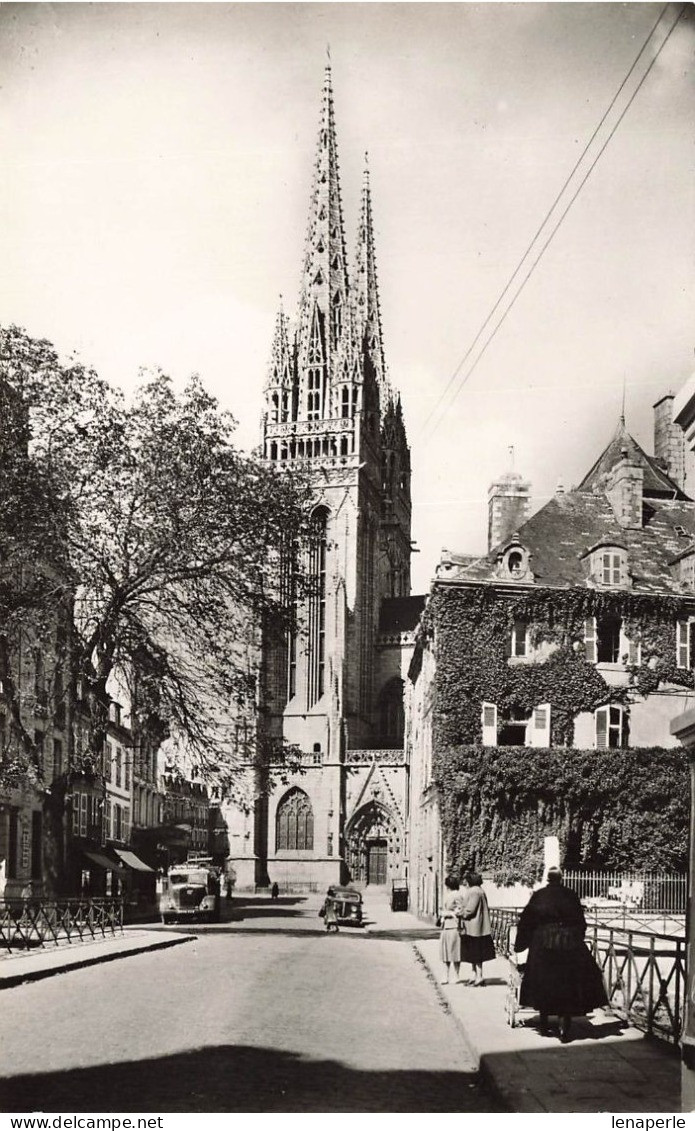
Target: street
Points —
{"points": [[261, 1012]]}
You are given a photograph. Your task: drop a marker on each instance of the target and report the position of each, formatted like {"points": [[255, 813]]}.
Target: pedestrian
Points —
{"points": [[561, 977], [274, 891], [477, 946], [449, 938], [329, 914]]}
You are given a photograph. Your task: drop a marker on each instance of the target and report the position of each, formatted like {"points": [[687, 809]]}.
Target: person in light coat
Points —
{"points": [[477, 946]]}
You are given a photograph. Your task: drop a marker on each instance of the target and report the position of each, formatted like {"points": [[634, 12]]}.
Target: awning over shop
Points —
{"points": [[105, 863], [132, 861]]}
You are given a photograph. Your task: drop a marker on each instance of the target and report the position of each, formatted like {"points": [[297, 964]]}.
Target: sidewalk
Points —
{"points": [[607, 1066], [45, 962]]}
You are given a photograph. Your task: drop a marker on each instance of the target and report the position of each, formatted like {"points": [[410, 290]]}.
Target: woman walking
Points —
{"points": [[477, 946], [561, 976], [449, 938]]}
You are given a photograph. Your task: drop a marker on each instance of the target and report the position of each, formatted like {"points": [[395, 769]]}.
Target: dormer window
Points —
{"points": [[514, 564], [608, 566]]}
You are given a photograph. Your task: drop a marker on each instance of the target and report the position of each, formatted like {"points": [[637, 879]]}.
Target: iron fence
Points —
{"points": [[646, 891], [643, 971], [27, 924]]}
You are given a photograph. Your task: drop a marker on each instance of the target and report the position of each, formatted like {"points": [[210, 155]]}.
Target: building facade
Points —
{"points": [[332, 689], [576, 630]]}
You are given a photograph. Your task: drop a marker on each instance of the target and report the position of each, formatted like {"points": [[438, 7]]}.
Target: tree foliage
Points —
{"points": [[165, 534]]}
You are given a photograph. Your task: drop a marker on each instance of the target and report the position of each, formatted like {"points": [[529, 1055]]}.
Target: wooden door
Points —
{"points": [[376, 863]]}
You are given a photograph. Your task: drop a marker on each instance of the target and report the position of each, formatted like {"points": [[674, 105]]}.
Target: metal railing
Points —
{"points": [[643, 971], [31, 924], [648, 891]]}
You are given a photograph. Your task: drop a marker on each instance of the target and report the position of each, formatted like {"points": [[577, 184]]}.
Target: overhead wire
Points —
{"points": [[443, 396]]}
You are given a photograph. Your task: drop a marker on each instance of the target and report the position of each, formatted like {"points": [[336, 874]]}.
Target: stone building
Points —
{"points": [[576, 629], [333, 689]]}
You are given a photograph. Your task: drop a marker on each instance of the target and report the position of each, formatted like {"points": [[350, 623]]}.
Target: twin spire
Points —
{"points": [[347, 317]]}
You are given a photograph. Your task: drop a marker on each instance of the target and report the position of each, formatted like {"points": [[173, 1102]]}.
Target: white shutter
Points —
{"points": [[489, 718], [682, 643], [540, 725], [602, 728], [590, 639]]}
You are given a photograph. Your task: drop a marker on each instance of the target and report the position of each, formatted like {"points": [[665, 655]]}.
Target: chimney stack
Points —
{"points": [[508, 502], [624, 490]]}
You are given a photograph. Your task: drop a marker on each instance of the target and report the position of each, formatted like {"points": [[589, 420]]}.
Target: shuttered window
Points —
{"points": [[685, 644], [611, 731], [590, 639]]}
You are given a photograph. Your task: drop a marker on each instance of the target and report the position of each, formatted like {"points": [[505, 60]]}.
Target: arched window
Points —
{"points": [[294, 822], [317, 605]]}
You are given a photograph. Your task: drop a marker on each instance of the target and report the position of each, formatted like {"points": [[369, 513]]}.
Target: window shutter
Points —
{"points": [[682, 643], [508, 650], [489, 719], [630, 648], [540, 729], [602, 728], [590, 639]]}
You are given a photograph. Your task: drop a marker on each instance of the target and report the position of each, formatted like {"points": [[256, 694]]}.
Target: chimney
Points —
{"points": [[624, 490], [508, 503], [671, 445]]}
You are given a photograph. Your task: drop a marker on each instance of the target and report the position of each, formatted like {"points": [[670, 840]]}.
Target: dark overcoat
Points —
{"points": [[561, 976]]}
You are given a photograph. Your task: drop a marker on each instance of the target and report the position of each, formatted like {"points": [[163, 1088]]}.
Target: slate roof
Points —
{"points": [[400, 614], [559, 536], [656, 482]]}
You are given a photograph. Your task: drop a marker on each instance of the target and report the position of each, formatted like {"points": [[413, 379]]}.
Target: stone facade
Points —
{"points": [[333, 690]]}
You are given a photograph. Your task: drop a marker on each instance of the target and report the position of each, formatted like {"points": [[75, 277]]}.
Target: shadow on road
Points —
{"points": [[240, 1078]]}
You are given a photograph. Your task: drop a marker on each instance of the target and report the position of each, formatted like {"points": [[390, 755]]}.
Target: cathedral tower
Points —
{"points": [[330, 409]]}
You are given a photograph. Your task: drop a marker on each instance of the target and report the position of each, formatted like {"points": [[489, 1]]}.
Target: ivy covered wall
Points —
{"points": [[611, 808]]}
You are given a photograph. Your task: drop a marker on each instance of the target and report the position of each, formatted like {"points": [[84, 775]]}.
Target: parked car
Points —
{"points": [[192, 891]]}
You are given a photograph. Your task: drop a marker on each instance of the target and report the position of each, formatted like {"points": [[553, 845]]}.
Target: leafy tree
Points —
{"points": [[168, 537]]}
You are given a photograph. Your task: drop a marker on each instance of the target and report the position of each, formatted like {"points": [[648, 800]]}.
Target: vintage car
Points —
{"points": [[192, 892], [346, 905]]}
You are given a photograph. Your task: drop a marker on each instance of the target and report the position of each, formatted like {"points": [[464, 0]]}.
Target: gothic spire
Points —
{"points": [[368, 315], [280, 369], [325, 280]]}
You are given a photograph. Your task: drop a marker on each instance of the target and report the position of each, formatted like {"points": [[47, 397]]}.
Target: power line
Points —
{"points": [[548, 215]]}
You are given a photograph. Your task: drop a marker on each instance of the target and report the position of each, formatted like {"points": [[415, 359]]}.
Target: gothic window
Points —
{"points": [[294, 822], [313, 401], [343, 445], [317, 605], [285, 405], [391, 716], [274, 416], [345, 402]]}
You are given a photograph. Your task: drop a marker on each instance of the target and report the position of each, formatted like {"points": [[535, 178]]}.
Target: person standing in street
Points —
{"points": [[561, 976], [477, 946], [450, 938]]}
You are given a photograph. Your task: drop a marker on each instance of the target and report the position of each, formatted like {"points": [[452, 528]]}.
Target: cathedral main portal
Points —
{"points": [[373, 840]]}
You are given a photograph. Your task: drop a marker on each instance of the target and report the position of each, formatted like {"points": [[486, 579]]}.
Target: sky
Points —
{"points": [[156, 175]]}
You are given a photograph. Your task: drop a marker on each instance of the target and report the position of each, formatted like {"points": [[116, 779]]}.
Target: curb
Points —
{"points": [[12, 980], [443, 1001], [487, 1077]]}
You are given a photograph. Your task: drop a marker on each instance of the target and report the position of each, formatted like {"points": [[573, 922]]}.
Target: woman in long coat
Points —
{"points": [[476, 941], [561, 976]]}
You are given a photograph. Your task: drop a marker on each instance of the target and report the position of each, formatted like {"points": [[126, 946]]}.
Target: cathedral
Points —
{"points": [[333, 690]]}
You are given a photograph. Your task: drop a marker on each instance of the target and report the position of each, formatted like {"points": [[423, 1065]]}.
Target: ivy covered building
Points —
{"points": [[546, 674]]}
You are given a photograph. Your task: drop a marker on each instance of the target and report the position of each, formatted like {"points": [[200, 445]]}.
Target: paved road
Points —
{"points": [[264, 1013]]}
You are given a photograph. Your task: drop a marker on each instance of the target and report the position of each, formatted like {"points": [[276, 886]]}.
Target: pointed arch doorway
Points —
{"points": [[374, 842]]}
